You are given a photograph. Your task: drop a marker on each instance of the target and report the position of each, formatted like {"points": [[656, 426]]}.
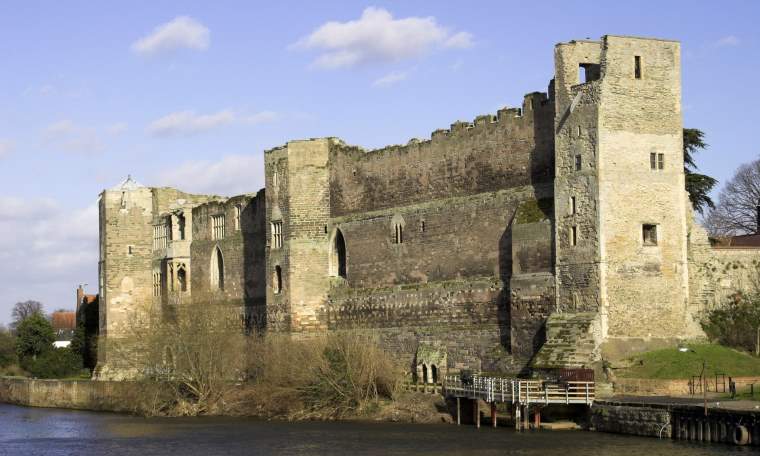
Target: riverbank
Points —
{"points": [[135, 398]]}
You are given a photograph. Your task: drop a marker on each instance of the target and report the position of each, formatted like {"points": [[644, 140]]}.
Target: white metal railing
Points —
{"points": [[520, 391]]}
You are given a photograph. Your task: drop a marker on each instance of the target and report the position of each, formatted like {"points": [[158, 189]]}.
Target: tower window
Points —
{"points": [[637, 67], [422, 226], [578, 162], [277, 234], [573, 235], [573, 206], [130, 250], [578, 131], [656, 161], [649, 234], [277, 280], [398, 233]]}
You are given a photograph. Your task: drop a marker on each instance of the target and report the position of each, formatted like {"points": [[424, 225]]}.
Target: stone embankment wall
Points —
{"points": [[676, 387], [680, 422], [71, 394], [647, 421]]}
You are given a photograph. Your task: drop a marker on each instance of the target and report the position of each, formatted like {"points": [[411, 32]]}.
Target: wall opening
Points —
{"points": [[573, 235], [217, 270], [637, 66], [424, 373], [182, 278], [217, 226], [338, 256], [649, 234], [433, 373], [573, 206], [398, 233], [588, 72], [277, 280], [277, 234], [578, 163], [181, 226]]}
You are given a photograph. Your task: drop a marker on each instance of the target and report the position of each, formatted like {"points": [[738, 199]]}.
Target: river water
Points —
{"points": [[34, 431]]}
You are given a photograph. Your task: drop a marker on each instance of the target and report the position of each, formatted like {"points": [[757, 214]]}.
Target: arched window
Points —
{"points": [[433, 374], [338, 255], [217, 269], [424, 373], [277, 280], [182, 277]]}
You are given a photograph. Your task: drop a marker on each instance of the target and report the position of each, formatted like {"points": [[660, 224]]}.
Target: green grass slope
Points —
{"points": [[670, 363]]}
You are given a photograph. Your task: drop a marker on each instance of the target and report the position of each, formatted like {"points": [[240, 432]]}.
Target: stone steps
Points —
{"points": [[570, 341]]}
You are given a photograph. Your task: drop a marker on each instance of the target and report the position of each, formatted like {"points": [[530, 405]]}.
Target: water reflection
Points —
{"points": [[28, 431]]}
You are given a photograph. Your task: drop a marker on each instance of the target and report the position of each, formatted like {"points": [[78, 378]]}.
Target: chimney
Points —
{"points": [[80, 291]]}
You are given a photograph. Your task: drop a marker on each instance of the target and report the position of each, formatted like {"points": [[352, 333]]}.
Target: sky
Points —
{"points": [[192, 93]]}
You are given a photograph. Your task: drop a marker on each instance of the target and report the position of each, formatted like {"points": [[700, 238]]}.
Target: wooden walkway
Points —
{"points": [[520, 393]]}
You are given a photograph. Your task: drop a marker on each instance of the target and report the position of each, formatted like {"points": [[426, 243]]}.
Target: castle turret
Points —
{"points": [[620, 203]]}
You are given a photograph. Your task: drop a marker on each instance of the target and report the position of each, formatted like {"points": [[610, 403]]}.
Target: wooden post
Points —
{"points": [[459, 412], [493, 414], [516, 408], [537, 418], [526, 417], [476, 411]]}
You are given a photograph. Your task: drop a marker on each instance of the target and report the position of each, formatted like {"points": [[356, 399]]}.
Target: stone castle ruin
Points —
{"points": [[551, 235]]}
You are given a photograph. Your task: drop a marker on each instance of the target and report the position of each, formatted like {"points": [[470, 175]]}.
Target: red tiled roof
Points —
{"points": [[64, 320]]}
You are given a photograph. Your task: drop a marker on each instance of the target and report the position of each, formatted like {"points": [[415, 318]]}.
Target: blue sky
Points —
{"points": [[195, 91]]}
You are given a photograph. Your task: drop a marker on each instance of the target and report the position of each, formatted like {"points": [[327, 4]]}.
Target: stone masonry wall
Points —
{"points": [[243, 251], [513, 149]]}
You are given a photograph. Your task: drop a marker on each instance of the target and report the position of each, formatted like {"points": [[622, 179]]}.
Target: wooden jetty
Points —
{"points": [[523, 395]]}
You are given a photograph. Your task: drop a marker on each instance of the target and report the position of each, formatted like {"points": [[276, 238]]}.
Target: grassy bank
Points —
{"points": [[670, 363]]}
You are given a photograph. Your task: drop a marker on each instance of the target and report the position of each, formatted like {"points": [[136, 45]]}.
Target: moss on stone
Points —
{"points": [[532, 211]]}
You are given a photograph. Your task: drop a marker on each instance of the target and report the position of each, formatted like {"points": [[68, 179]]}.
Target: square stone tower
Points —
{"points": [[620, 202], [298, 212]]}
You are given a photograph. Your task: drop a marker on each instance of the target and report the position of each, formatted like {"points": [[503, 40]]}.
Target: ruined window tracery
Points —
{"points": [[156, 284], [277, 234], [236, 220], [182, 278], [217, 227]]}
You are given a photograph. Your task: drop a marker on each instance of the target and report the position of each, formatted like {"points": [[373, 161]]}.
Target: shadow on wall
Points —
{"points": [[253, 227]]}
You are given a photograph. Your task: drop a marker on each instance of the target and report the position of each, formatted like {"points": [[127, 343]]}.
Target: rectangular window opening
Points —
{"points": [[574, 235], [277, 235], [217, 227], [661, 161], [578, 163], [653, 161], [573, 206], [649, 234], [637, 67]]}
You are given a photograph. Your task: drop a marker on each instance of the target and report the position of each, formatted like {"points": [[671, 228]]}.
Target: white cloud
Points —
{"points": [[188, 122], [461, 40], [46, 251], [390, 79], [260, 117], [377, 37], [68, 136], [117, 128], [6, 148], [233, 174], [730, 40], [181, 32]]}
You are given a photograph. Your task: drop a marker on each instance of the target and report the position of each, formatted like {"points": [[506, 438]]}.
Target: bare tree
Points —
{"points": [[24, 310], [736, 211]]}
